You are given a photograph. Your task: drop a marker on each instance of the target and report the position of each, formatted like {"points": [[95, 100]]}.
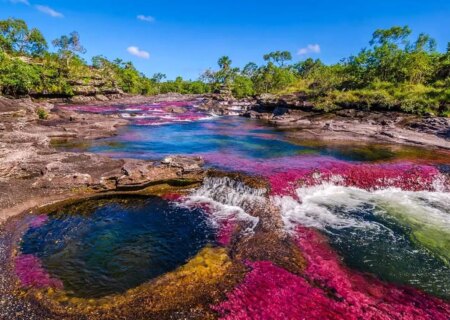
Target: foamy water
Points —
{"points": [[227, 200], [313, 207]]}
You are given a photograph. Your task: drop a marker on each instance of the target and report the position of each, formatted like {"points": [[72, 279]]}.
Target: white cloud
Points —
{"points": [[49, 11], [146, 18], [20, 1], [135, 51], [310, 48]]}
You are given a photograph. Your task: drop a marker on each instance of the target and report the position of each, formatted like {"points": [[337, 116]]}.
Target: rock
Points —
{"points": [[7, 105], [107, 183], [85, 90], [279, 111], [101, 97], [328, 126], [68, 181], [267, 97], [135, 170], [186, 164], [438, 125], [257, 115], [137, 173], [224, 105], [290, 101], [29, 170], [225, 93], [21, 137], [77, 179], [175, 109], [81, 99]]}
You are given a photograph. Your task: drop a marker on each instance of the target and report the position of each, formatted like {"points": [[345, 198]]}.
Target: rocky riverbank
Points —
{"points": [[32, 172], [253, 246], [294, 113]]}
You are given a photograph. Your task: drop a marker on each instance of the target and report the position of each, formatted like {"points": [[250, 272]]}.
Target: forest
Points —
{"points": [[396, 71]]}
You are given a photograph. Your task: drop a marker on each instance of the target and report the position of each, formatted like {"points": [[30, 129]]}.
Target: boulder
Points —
{"points": [[81, 99], [439, 126], [175, 109], [101, 97], [140, 173], [290, 101], [85, 90], [186, 164]]}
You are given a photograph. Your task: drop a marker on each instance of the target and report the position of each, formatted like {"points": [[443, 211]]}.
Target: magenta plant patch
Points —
{"points": [[148, 114], [326, 290], [31, 273]]}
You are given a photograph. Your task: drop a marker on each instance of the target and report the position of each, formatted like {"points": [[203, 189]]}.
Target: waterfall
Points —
{"points": [[228, 200]]}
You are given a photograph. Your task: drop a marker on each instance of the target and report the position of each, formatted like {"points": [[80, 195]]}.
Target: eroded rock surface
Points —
{"points": [[295, 113], [32, 172], [185, 164]]}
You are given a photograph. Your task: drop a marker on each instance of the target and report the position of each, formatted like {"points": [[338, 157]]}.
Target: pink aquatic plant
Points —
{"points": [[326, 290], [225, 232], [224, 228], [38, 221], [91, 109], [31, 273], [288, 173], [148, 114], [365, 176], [270, 292], [175, 197], [365, 297], [267, 167]]}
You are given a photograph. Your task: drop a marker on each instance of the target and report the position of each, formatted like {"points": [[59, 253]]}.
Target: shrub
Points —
{"points": [[17, 77], [42, 113], [243, 87]]}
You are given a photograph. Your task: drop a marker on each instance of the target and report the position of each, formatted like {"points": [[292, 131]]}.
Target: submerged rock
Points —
{"points": [[175, 109]]}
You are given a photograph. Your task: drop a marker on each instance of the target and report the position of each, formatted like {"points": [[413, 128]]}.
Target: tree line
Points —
{"points": [[27, 67], [394, 72]]}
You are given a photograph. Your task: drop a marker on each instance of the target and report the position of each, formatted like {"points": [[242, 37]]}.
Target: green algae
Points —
{"points": [[427, 228]]}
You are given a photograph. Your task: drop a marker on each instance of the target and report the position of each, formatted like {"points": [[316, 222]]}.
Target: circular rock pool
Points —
{"points": [[100, 247]]}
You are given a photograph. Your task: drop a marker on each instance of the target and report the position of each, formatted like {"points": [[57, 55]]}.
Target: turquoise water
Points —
{"points": [[385, 248], [229, 136]]}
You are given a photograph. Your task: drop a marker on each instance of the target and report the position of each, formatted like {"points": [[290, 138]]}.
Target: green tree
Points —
{"points": [[226, 73], [69, 46], [278, 57], [158, 77], [393, 36], [271, 78], [420, 59], [443, 66], [305, 68], [386, 59], [224, 76], [224, 63], [250, 69], [198, 87], [36, 44], [16, 37], [242, 87], [17, 77]]}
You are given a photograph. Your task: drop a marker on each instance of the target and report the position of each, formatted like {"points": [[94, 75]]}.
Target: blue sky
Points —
{"points": [[186, 37]]}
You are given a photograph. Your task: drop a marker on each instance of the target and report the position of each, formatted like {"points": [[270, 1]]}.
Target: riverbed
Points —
{"points": [[288, 228]]}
